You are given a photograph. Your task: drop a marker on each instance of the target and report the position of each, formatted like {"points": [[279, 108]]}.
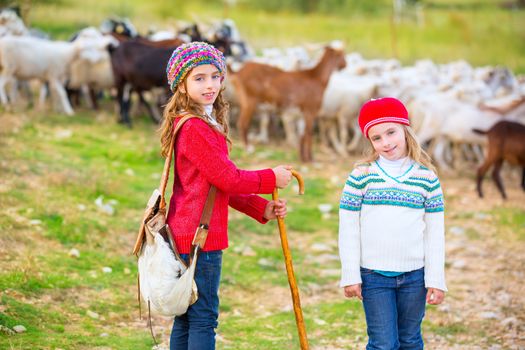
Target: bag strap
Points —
{"points": [[202, 231], [167, 163], [208, 207]]}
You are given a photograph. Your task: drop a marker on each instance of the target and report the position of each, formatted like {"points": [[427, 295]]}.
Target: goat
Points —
{"points": [[506, 141], [445, 118], [257, 83], [120, 26], [138, 67], [91, 72], [343, 97], [26, 57], [226, 38], [11, 24]]}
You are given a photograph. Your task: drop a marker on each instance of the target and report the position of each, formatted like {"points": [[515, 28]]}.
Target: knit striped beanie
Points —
{"points": [[382, 110], [188, 56]]}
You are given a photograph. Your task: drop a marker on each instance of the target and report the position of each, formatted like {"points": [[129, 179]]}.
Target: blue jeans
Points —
{"points": [[394, 309], [195, 330]]}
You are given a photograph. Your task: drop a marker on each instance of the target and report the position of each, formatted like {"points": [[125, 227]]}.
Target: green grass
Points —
{"points": [[51, 177], [513, 219], [325, 321]]}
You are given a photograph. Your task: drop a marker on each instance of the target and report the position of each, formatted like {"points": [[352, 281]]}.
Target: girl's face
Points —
{"points": [[203, 84], [388, 140]]}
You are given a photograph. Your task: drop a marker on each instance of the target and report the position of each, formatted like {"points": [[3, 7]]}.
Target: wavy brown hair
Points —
{"points": [[181, 103], [415, 152]]}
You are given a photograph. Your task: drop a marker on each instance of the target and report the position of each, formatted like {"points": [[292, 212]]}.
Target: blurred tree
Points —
{"points": [[308, 6], [324, 6], [23, 3]]}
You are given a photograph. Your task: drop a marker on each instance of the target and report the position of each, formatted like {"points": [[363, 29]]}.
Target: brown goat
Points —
{"points": [[506, 142], [256, 83]]}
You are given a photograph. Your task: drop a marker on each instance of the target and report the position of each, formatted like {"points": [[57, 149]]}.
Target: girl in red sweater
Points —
{"points": [[195, 74]]}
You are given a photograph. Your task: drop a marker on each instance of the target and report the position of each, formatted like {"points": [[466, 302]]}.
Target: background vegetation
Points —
{"points": [[482, 32]]}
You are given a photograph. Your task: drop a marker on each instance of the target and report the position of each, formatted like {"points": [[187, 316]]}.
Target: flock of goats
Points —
{"points": [[454, 108]]}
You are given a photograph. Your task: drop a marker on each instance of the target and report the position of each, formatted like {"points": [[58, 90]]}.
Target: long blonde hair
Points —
{"points": [[180, 103], [414, 150]]}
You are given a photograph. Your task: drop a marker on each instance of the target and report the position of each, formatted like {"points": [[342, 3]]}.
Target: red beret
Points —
{"points": [[382, 110]]}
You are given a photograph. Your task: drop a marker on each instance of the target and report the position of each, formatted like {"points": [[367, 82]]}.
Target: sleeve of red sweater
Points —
{"points": [[201, 146], [251, 205]]}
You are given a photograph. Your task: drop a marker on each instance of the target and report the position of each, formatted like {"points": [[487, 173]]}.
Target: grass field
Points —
{"points": [[480, 32], [54, 168]]}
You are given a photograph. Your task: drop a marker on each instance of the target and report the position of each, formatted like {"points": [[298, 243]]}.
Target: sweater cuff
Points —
{"points": [[267, 178], [256, 207], [350, 277], [436, 284]]}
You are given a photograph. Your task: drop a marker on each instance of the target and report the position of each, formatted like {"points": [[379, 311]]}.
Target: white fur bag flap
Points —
{"points": [[165, 282]]}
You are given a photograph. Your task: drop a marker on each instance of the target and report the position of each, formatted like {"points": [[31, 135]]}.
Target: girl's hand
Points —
{"points": [[275, 209], [283, 175], [353, 291], [435, 296]]}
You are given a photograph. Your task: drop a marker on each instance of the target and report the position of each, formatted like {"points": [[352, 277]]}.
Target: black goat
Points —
{"points": [[138, 67]]}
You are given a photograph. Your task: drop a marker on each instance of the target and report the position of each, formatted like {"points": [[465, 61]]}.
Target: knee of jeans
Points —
{"points": [[382, 334], [411, 340]]}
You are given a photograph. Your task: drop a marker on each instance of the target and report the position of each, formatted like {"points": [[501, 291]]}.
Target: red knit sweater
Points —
{"points": [[201, 159]]}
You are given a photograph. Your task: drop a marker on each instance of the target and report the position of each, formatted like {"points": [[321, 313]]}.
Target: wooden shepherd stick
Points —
{"points": [[289, 268]]}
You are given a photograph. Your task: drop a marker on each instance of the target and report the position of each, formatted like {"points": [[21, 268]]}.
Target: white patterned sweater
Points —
{"points": [[392, 223]]}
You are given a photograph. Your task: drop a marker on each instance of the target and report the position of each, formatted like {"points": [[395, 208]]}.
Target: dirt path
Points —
{"points": [[485, 269]]}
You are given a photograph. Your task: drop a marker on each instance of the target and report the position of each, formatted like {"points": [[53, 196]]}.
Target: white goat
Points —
{"points": [[48, 61], [92, 68], [447, 119], [11, 24], [343, 97]]}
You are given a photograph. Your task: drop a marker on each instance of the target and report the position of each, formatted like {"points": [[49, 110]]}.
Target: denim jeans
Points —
{"points": [[394, 309], [195, 330]]}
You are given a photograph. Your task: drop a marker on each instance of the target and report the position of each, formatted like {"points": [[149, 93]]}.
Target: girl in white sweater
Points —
{"points": [[391, 230]]}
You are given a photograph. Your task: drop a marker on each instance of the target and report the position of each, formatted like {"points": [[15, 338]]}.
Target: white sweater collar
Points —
{"points": [[208, 109], [395, 167], [208, 113]]}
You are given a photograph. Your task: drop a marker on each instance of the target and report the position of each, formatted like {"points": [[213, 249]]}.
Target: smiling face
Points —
{"points": [[388, 140], [203, 84]]}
